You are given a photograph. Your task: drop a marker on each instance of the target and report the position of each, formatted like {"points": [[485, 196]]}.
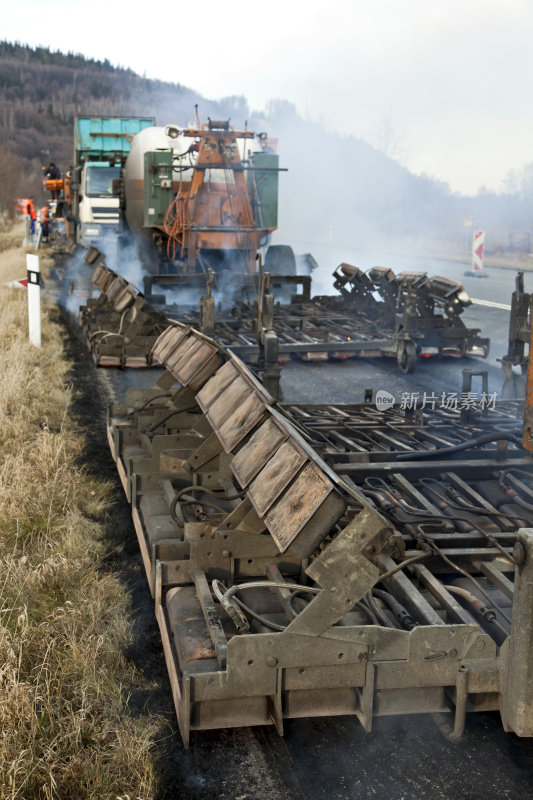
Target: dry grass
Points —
{"points": [[12, 236], [64, 728]]}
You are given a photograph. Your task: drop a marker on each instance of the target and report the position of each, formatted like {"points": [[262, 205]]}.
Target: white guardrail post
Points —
{"points": [[34, 298]]}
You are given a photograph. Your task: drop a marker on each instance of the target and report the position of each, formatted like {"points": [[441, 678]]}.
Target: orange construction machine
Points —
{"points": [[204, 196]]}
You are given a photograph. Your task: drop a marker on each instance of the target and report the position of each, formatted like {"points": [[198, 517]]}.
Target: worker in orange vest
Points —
{"points": [[30, 211], [44, 218]]}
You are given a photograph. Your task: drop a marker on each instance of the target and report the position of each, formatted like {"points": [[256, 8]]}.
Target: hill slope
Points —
{"points": [[337, 188]]}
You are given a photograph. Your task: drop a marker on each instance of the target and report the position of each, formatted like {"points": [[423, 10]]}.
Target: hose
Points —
{"points": [[402, 565], [362, 605], [227, 601], [150, 400], [461, 571], [187, 489], [509, 436], [106, 334], [399, 611], [153, 427], [464, 505], [488, 614], [491, 540], [515, 497], [211, 492], [376, 610], [424, 517]]}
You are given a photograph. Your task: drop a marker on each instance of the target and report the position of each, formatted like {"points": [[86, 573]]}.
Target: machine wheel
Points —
{"points": [[280, 260], [407, 357]]}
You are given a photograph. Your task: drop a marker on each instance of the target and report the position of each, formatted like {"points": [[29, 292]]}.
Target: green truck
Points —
{"points": [[101, 145]]}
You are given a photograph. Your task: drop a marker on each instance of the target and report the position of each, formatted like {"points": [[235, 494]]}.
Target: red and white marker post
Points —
{"points": [[34, 298], [478, 247], [20, 283]]}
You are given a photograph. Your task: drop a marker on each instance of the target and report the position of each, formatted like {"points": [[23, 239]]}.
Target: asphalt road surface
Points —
{"points": [[404, 758]]}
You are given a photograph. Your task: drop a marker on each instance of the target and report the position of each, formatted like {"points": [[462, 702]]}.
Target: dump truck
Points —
{"points": [[90, 195]]}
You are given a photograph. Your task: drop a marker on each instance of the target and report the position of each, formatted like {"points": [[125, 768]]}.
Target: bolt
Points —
{"points": [[519, 554], [272, 661], [452, 652], [226, 553], [333, 589], [363, 656]]}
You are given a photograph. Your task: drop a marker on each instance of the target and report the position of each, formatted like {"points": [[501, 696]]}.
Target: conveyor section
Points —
{"points": [[376, 314], [285, 586], [121, 328]]}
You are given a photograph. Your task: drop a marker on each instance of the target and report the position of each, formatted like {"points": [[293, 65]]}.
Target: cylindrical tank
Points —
{"points": [[168, 138]]}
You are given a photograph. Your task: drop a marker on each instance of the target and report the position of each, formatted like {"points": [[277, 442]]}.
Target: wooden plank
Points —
{"points": [[214, 626]]}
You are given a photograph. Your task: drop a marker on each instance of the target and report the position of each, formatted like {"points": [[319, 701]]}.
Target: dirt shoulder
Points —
{"points": [[68, 728]]}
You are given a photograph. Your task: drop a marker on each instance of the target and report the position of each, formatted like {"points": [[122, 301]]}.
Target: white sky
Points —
{"points": [[452, 79]]}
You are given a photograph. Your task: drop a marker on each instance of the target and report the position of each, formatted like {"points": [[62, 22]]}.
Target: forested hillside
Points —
{"points": [[338, 188], [41, 92]]}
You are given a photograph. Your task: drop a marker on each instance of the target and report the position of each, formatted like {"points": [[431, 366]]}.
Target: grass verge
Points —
{"points": [[65, 730]]}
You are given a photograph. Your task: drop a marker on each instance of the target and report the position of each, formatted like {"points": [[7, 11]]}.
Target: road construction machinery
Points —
{"points": [[88, 193], [203, 197], [518, 350], [402, 323], [120, 326], [427, 308], [289, 581]]}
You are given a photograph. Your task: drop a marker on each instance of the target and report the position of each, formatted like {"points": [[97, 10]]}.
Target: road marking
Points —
{"points": [[491, 304]]}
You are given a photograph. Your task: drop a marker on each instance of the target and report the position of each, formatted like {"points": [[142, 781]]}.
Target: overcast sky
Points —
{"points": [[446, 83]]}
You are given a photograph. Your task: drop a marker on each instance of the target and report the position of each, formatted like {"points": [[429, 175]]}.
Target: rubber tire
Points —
{"points": [[280, 260], [406, 358]]}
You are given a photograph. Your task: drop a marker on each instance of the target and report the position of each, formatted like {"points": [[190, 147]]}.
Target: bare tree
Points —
{"points": [[10, 180], [390, 138]]}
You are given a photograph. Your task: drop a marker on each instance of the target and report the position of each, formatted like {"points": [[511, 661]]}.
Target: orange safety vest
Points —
{"points": [[30, 209]]}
